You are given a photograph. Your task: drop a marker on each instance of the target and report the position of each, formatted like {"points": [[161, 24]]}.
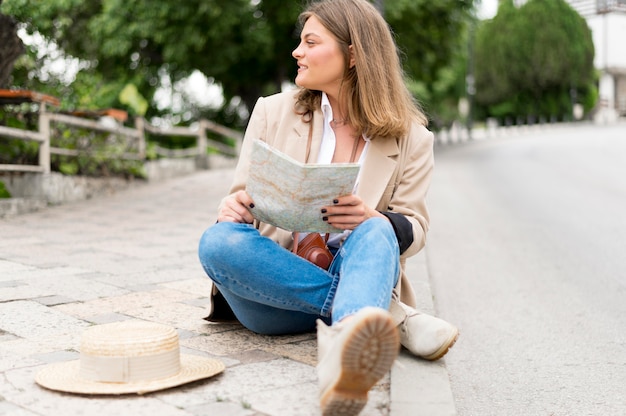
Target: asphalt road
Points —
{"points": [[527, 255]]}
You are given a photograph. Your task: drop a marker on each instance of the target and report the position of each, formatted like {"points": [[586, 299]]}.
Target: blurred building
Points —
{"points": [[607, 20]]}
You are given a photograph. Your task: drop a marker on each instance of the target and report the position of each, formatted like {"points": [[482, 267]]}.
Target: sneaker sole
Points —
{"points": [[368, 354]]}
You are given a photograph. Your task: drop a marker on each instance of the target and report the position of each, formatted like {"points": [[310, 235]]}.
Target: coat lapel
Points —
{"points": [[296, 146]]}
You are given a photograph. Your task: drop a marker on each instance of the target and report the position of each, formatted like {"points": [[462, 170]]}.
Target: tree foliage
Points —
{"points": [[243, 45], [432, 36], [11, 49], [534, 61]]}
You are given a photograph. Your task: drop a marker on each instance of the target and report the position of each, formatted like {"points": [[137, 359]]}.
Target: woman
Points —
{"points": [[353, 100]]}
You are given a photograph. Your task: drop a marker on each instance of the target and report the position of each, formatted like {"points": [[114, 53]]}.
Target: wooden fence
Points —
{"points": [[134, 137]]}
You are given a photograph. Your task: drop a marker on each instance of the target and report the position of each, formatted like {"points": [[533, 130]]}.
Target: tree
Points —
{"points": [[432, 36], [11, 47], [533, 61], [244, 45], [140, 42]]}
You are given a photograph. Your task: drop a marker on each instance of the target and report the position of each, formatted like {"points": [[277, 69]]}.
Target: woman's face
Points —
{"points": [[321, 63]]}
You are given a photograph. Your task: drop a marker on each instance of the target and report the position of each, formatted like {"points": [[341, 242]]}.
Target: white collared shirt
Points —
{"points": [[327, 150]]}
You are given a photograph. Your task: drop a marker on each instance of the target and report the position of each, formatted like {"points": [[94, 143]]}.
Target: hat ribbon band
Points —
{"points": [[130, 369]]}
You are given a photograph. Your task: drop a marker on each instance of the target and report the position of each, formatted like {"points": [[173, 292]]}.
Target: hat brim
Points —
{"points": [[65, 377]]}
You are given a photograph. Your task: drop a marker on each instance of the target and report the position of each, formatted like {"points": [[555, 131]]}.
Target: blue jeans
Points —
{"points": [[273, 291]]}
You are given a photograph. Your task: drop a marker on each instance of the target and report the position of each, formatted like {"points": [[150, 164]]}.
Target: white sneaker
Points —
{"points": [[423, 335], [353, 356]]}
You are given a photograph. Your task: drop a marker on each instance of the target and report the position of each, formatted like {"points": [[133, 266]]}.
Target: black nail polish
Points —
{"points": [[251, 205], [323, 210], [335, 201], [324, 218]]}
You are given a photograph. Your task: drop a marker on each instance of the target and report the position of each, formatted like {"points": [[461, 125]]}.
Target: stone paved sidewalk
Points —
{"points": [[132, 255]]}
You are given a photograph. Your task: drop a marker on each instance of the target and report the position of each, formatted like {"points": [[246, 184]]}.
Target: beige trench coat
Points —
{"points": [[395, 174]]}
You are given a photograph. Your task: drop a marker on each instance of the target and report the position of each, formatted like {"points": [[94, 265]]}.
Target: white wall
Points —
{"points": [[609, 38]]}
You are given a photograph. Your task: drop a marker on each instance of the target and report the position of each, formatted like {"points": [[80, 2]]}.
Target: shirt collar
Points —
{"points": [[327, 110]]}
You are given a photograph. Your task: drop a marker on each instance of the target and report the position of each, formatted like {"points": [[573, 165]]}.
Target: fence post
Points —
{"points": [[202, 139], [141, 137], [44, 131], [202, 159]]}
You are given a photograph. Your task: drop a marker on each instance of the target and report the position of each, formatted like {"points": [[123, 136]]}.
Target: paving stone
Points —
{"points": [[56, 284], [32, 320], [222, 408], [303, 399], [206, 328], [185, 334], [238, 384], [133, 273], [20, 386], [143, 288], [202, 303], [48, 257], [176, 314], [36, 273], [23, 292], [9, 409], [10, 361], [302, 351], [25, 348], [93, 275], [240, 340], [54, 300], [121, 304], [134, 250], [17, 238], [254, 356], [197, 287], [109, 263], [57, 356], [299, 399], [107, 318], [7, 267], [5, 336], [12, 283], [227, 361]]}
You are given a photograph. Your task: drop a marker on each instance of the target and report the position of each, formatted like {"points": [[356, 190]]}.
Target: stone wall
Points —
{"points": [[34, 191]]}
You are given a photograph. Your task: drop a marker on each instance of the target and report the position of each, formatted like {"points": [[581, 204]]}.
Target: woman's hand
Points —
{"points": [[347, 212], [235, 208]]}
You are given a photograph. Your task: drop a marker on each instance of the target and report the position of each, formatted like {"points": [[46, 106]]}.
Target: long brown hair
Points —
{"points": [[378, 104]]}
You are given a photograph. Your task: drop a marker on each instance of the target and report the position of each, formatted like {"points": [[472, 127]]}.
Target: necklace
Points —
{"points": [[338, 122]]}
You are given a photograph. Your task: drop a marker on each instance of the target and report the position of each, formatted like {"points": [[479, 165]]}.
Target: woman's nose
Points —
{"points": [[297, 52]]}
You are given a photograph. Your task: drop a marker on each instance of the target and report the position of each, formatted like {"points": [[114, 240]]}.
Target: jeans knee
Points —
{"points": [[208, 242], [219, 240], [378, 225], [377, 232]]}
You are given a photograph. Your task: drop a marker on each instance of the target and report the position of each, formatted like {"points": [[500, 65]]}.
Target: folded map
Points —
{"points": [[290, 194]]}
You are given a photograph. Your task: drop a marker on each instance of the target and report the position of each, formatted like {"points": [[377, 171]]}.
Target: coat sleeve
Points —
{"points": [[416, 162], [256, 129], [262, 125]]}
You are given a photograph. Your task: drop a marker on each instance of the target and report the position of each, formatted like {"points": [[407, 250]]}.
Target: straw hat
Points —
{"points": [[127, 357]]}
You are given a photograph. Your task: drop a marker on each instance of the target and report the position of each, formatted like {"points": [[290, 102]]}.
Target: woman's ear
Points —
{"points": [[352, 58]]}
